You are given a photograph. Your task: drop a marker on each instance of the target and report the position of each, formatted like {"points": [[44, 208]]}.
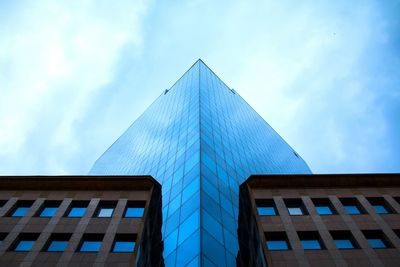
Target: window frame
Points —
{"points": [[322, 203], [20, 204], [90, 238], [277, 237], [126, 238], [105, 205], [311, 236], [295, 203], [352, 201], [57, 237], [266, 203], [132, 205], [344, 235]]}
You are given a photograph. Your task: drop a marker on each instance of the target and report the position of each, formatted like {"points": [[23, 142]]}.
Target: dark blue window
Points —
{"points": [[20, 211], [311, 244], [24, 245], [343, 239], [376, 239], [380, 209], [352, 209], [352, 206], [324, 210], [20, 208], [91, 243], [57, 246], [48, 209], [310, 240], [323, 206], [90, 246], [25, 242], [48, 212], [376, 243], [124, 246], [124, 243], [266, 211], [2, 237], [77, 212], [132, 211], [343, 243], [58, 242], [77, 209], [277, 245], [277, 241], [266, 207], [380, 206]]}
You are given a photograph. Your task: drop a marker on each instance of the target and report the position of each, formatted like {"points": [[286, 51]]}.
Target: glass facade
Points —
{"points": [[200, 140]]}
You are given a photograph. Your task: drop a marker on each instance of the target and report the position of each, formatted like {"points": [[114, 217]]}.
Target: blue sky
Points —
{"points": [[75, 74]]}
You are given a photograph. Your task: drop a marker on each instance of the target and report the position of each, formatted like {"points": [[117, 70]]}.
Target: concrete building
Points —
{"points": [[320, 220], [80, 221]]}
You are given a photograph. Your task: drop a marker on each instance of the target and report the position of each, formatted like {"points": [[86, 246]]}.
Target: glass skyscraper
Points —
{"points": [[200, 140]]}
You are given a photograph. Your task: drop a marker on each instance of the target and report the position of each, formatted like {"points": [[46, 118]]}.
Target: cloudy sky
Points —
{"points": [[75, 74]]}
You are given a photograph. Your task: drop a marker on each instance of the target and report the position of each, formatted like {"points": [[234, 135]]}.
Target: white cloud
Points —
{"points": [[52, 49]]}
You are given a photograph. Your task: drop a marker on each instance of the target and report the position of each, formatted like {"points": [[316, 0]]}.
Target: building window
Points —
{"points": [[91, 243], [323, 206], [277, 241], [295, 206], [57, 242], [2, 237], [106, 209], [25, 242], [352, 206], [380, 206], [134, 209], [376, 239], [48, 209], [310, 240], [77, 209], [266, 207], [344, 240], [397, 232], [124, 243], [21, 208]]}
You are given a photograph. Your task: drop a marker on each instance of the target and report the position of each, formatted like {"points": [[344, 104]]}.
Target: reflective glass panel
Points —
{"points": [[20, 212], [352, 209], [376, 243], [310, 244], [266, 211], [57, 246], [48, 212], [380, 209], [295, 211], [134, 212], [105, 212], [24, 245], [277, 245], [343, 243], [90, 246], [124, 246], [324, 210], [77, 212]]}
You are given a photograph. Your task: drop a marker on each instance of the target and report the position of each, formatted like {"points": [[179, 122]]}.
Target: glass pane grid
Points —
{"points": [[199, 108]]}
